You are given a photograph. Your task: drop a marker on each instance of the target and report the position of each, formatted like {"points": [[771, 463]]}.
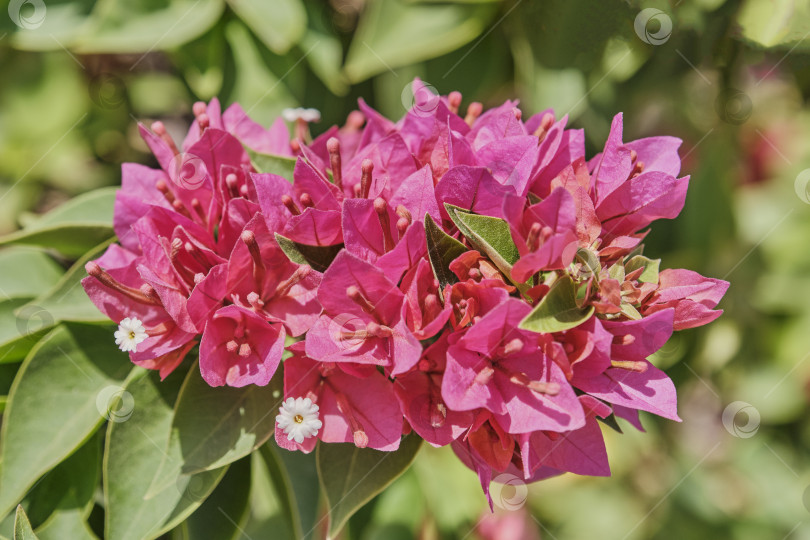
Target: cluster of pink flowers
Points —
{"points": [[378, 336]]}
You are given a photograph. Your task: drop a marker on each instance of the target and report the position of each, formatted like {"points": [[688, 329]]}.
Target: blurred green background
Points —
{"points": [[731, 78]]}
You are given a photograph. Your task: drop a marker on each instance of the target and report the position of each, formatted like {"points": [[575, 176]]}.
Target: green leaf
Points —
{"points": [[73, 228], [394, 33], [775, 23], [442, 250], [66, 299], [223, 512], [22, 527], [318, 257], [267, 163], [650, 273], [213, 427], [53, 405], [61, 502], [352, 476], [557, 311], [20, 328], [295, 476], [280, 24], [489, 235], [323, 49], [140, 26], [133, 454], [26, 272], [630, 312]]}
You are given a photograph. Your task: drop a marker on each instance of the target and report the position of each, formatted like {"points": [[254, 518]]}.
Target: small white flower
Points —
{"points": [[130, 334], [298, 417], [299, 113]]}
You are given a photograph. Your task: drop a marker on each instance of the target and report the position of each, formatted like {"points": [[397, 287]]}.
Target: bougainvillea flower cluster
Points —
{"points": [[470, 277]]}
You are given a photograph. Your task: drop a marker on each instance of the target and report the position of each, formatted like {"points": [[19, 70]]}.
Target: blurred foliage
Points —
{"points": [[730, 77]]}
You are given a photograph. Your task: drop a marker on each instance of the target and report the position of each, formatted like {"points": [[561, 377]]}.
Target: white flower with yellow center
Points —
{"points": [[130, 334], [298, 417]]}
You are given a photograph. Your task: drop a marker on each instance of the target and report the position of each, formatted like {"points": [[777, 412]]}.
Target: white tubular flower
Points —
{"points": [[299, 113], [130, 334], [298, 417]]}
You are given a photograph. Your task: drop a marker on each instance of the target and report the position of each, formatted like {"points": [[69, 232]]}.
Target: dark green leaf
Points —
{"points": [[213, 427], [352, 476], [267, 163], [442, 250], [223, 512], [67, 374], [21, 327], [295, 476], [133, 454], [557, 310], [318, 257]]}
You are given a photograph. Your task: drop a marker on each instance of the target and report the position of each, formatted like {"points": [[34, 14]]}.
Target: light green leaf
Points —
{"points": [[295, 477], [64, 374], [630, 312], [280, 24], [213, 427], [66, 300], [20, 328], [73, 228], [650, 273], [318, 257], [22, 527], [394, 33], [26, 272], [775, 23], [140, 26], [557, 311], [352, 476], [224, 511], [489, 235], [283, 166], [133, 454], [442, 250]]}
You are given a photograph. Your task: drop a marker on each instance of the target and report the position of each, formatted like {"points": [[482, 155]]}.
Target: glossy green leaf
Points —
{"points": [[318, 257], [395, 33], [267, 163], [442, 250], [53, 405], [213, 427], [66, 299], [22, 527], [73, 228], [133, 454], [26, 272], [295, 477], [352, 476], [20, 328], [60, 503], [224, 511], [280, 24], [650, 273], [557, 310]]}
